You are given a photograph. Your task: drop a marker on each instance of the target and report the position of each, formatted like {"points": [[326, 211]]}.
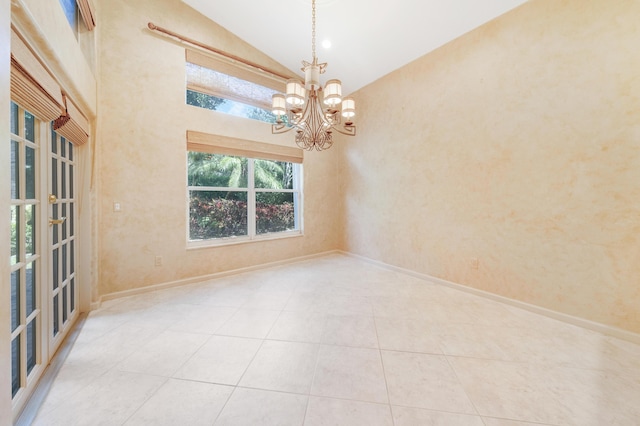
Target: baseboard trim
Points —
{"points": [[192, 280], [570, 319]]}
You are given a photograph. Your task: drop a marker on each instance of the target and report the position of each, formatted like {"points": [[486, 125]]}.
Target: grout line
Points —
{"points": [[147, 399], [384, 371], [462, 386], [438, 410], [514, 420], [250, 362], [233, 391], [315, 369]]}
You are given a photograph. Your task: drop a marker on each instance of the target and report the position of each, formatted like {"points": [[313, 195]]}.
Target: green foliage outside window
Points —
{"points": [[218, 213], [228, 106]]}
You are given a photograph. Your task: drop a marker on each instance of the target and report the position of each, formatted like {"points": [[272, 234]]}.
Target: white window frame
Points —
{"points": [[251, 191]]}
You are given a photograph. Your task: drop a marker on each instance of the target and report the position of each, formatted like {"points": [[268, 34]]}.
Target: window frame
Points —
{"points": [[236, 71], [252, 191]]}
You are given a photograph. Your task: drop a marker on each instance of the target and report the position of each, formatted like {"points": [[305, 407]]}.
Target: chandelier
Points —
{"points": [[310, 110]]}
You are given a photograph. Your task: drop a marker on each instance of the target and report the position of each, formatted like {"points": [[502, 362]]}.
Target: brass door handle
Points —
{"points": [[56, 221]]}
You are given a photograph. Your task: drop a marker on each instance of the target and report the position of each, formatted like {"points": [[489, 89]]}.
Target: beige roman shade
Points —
{"points": [[87, 12], [72, 124], [31, 85], [231, 80], [216, 144]]}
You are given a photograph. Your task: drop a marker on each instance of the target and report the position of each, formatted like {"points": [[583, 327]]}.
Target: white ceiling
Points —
{"points": [[370, 38]]}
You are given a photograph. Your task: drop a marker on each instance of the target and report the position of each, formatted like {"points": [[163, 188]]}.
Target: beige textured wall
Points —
{"points": [[142, 160], [5, 219], [517, 144]]}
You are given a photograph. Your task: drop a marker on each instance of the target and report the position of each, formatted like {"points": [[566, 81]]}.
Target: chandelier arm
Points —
{"points": [[277, 129], [348, 130]]}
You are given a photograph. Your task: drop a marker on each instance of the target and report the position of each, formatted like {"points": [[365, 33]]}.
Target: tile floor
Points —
{"points": [[337, 341]]}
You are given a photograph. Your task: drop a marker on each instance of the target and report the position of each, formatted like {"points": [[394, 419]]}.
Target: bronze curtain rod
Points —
{"points": [[154, 27]]}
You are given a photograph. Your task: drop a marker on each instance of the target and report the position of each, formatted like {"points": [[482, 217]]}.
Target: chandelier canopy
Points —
{"points": [[313, 112]]}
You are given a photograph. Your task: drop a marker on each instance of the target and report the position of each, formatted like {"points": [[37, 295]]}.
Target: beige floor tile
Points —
{"points": [[469, 340], [406, 334], [330, 412], [356, 331], [229, 296], [163, 355], [562, 395], [624, 356], [258, 407], [101, 322], [70, 380], [404, 416], [282, 366], [182, 402], [268, 299], [128, 336], [109, 400], [406, 307], [350, 373], [449, 356], [308, 301], [162, 316], [490, 421], [299, 327], [424, 381], [221, 360], [254, 323], [349, 305], [203, 319], [93, 356], [480, 311]]}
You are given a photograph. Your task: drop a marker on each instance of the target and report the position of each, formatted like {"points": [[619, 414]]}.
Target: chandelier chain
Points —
{"points": [[313, 122], [313, 28]]}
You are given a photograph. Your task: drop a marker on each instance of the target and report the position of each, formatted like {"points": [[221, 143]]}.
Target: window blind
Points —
{"points": [[72, 124], [31, 85], [87, 12], [217, 144], [38, 92], [225, 79]]}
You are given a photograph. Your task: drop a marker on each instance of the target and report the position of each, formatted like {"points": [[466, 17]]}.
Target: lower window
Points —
{"points": [[233, 199]]}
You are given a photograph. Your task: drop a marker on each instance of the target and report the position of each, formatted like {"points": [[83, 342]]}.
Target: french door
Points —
{"points": [[62, 241], [44, 290]]}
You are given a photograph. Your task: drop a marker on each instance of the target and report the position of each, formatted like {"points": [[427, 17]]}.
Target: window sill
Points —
{"points": [[224, 242]]}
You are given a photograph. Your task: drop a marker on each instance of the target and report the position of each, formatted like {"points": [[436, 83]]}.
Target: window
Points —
{"points": [[233, 198], [70, 8], [241, 190], [76, 9], [229, 106], [216, 84]]}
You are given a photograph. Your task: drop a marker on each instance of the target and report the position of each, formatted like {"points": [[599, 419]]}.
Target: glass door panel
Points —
{"points": [[63, 236], [26, 314]]}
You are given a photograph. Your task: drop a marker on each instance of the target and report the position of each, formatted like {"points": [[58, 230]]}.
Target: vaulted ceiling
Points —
{"points": [[369, 38]]}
